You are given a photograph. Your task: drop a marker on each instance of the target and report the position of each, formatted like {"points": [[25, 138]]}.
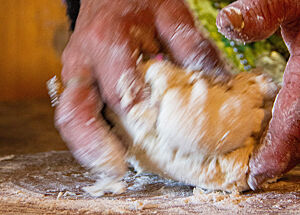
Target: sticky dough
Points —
{"points": [[192, 131]]}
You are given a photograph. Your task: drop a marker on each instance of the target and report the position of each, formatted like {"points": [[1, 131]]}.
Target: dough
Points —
{"points": [[193, 131]]}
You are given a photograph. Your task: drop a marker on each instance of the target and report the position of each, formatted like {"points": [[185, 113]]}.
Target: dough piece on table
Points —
{"points": [[192, 131]]}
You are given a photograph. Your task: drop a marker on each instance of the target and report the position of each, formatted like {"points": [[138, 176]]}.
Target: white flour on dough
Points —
{"points": [[192, 131]]}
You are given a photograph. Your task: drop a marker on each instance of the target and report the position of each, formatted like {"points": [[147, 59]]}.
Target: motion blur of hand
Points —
{"points": [[109, 37], [253, 20]]}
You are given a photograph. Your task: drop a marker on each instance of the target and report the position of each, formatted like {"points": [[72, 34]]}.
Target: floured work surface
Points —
{"points": [[49, 183]]}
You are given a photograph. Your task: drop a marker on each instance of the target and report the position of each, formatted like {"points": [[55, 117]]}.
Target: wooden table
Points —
{"points": [[51, 182]]}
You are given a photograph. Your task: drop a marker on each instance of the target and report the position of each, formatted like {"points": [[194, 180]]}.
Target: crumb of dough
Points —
{"points": [[186, 201], [7, 157], [105, 185], [68, 193], [60, 194], [218, 196], [141, 205]]}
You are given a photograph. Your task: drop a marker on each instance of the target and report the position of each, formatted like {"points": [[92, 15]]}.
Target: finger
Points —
{"points": [[255, 20], [84, 130], [119, 80], [142, 31], [291, 35], [115, 65], [187, 45], [280, 149]]}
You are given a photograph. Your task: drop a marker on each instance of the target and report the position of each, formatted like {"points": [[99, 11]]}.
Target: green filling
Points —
{"points": [[270, 54]]}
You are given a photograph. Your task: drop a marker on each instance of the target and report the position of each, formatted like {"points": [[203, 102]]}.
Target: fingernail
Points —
{"points": [[255, 181], [230, 20], [252, 182]]}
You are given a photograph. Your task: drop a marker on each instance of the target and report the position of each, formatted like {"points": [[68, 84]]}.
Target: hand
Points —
{"points": [[252, 20], [108, 39]]}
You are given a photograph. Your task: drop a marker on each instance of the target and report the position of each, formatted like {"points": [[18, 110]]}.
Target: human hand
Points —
{"points": [[253, 20], [108, 39]]}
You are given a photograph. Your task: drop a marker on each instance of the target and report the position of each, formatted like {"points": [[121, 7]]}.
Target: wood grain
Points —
{"points": [[50, 183], [31, 183]]}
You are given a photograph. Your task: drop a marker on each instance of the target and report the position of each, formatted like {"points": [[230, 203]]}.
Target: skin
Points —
{"points": [[254, 20], [107, 41]]}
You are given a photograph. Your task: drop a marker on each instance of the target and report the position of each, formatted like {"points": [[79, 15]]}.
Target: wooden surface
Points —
{"points": [[51, 183], [32, 35], [28, 127], [31, 183]]}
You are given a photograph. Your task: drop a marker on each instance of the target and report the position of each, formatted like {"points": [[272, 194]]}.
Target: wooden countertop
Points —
{"points": [[28, 127], [51, 182]]}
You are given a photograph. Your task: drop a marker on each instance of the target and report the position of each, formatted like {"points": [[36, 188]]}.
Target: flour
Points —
{"points": [[36, 185], [195, 132]]}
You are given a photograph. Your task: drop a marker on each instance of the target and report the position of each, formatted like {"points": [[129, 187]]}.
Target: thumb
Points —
{"points": [[255, 20]]}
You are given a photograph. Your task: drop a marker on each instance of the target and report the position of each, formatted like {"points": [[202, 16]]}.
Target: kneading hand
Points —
{"points": [[108, 39], [252, 20]]}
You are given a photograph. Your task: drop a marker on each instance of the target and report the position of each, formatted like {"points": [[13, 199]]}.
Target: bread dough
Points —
{"points": [[193, 131]]}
